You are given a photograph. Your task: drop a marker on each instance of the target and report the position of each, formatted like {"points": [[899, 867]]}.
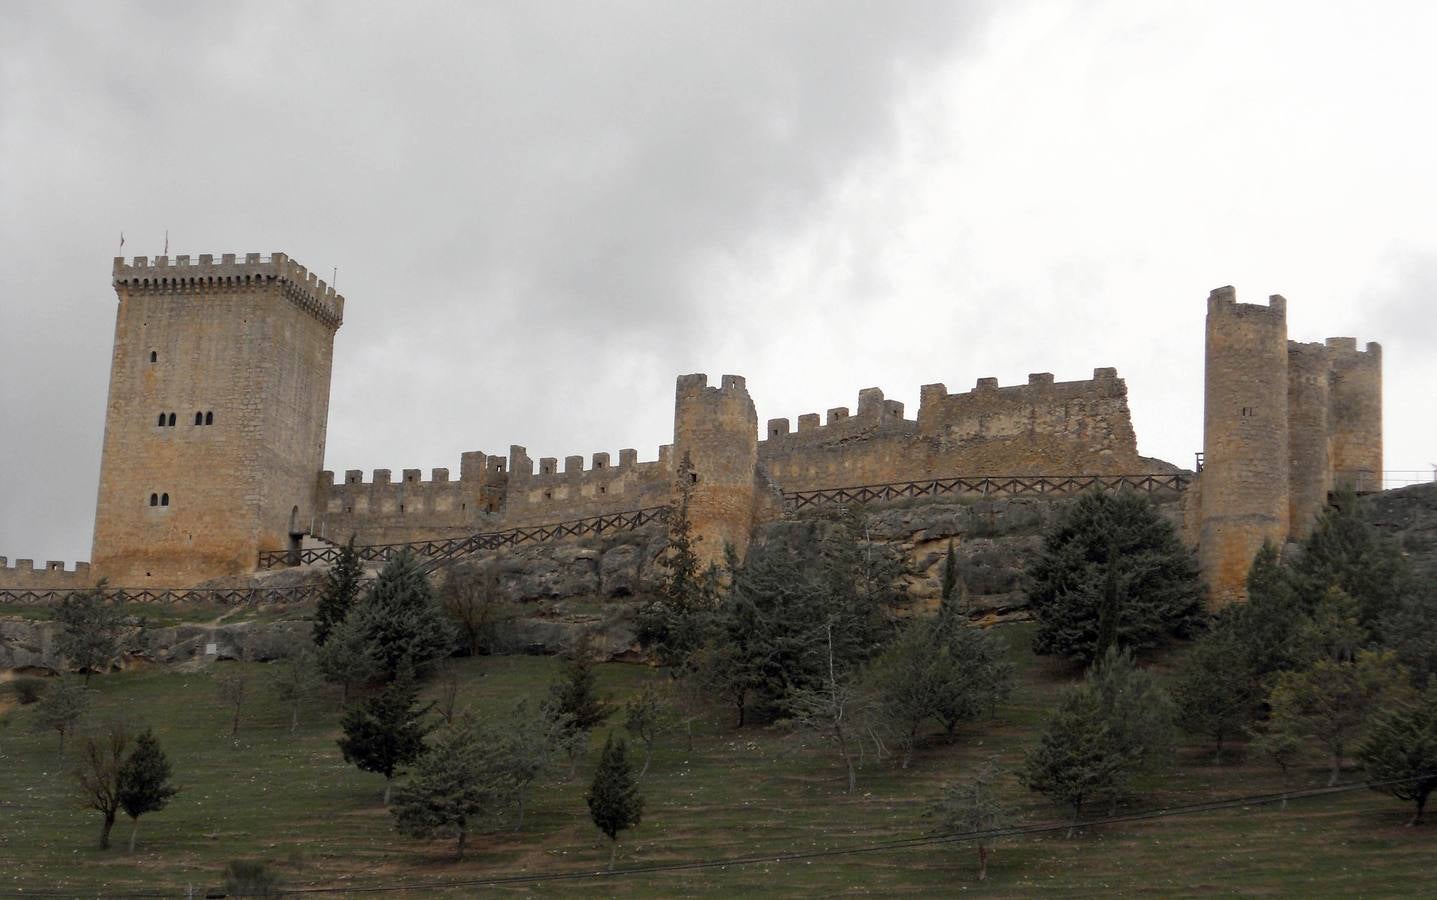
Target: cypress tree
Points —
{"points": [[341, 588], [614, 800], [385, 732]]}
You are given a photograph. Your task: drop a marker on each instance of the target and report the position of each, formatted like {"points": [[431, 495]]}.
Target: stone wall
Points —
{"points": [[51, 576]]}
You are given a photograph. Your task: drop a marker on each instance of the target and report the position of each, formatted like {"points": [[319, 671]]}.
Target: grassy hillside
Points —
{"points": [[290, 799]]}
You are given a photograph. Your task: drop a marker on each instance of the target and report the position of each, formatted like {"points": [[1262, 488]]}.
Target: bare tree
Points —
{"points": [[830, 711], [97, 775]]}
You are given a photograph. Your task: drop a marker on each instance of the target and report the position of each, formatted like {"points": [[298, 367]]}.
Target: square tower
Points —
{"points": [[215, 425]]}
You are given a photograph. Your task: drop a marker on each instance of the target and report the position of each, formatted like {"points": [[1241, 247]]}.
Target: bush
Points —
{"points": [[251, 878], [29, 690]]}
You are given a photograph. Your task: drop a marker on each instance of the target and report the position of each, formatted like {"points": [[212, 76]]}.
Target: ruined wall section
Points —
{"points": [[866, 448], [1355, 418], [716, 430], [1245, 439], [206, 345]]}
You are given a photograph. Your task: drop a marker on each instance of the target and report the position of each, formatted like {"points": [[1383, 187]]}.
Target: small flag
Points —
{"points": [[167, 242], [122, 240]]}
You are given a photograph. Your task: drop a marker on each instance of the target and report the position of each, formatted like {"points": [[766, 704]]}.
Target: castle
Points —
{"points": [[219, 394]]}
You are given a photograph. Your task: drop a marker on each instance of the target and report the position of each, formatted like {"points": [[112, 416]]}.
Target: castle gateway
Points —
{"points": [[219, 394]]}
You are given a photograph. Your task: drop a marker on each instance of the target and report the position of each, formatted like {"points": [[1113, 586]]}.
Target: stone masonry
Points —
{"points": [[219, 394]]}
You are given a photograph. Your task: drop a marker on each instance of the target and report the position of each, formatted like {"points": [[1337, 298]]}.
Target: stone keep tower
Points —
{"points": [[1244, 486], [717, 428], [215, 426]]}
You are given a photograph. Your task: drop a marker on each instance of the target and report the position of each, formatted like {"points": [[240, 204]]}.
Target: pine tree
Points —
{"points": [[341, 588], [89, 634], [400, 619], [1075, 760], [1345, 551], [61, 709], [453, 783], [673, 624], [1400, 752], [976, 806], [384, 733], [1112, 572], [1216, 690], [576, 694], [614, 800], [346, 659], [1267, 623], [1138, 712], [144, 782], [1331, 701]]}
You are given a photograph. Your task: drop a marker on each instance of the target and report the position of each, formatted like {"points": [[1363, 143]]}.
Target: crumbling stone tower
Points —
{"points": [[1284, 423], [717, 428], [215, 426]]}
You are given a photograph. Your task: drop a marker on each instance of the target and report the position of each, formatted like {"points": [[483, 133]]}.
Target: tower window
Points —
{"points": [[164, 499], [210, 418], [199, 418], [603, 489], [401, 507], [154, 357], [154, 499], [548, 495], [161, 422], [172, 419], [694, 477]]}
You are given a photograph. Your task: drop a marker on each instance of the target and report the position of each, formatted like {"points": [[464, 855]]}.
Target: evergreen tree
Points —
{"points": [[914, 680], [976, 806], [1138, 712], [1112, 572], [1075, 760], [614, 801], [346, 658], [341, 588], [453, 783], [1400, 752], [143, 782], [674, 623], [1217, 691], [950, 596], [530, 743], [89, 633], [978, 674], [1280, 745], [833, 711], [384, 733], [61, 709], [1411, 630], [1346, 552], [1267, 623], [400, 619], [1331, 701], [576, 694]]}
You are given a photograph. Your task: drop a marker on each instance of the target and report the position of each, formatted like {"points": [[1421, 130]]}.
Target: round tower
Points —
{"points": [[1309, 464], [1245, 439], [717, 430], [1356, 414]]}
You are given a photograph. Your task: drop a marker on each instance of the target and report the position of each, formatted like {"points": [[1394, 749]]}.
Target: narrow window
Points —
{"points": [[161, 423], [694, 477], [603, 489], [349, 509], [209, 418], [172, 419], [164, 499], [154, 499], [548, 495], [154, 357], [401, 507], [199, 418]]}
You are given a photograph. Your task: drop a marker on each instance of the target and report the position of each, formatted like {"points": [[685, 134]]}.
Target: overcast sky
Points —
{"points": [[541, 213]]}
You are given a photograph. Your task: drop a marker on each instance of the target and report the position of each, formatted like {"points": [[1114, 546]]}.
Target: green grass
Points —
{"points": [[163, 615], [291, 799]]}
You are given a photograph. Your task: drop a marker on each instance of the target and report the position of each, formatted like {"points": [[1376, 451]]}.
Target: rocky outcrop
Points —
{"points": [[29, 645], [1409, 514]]}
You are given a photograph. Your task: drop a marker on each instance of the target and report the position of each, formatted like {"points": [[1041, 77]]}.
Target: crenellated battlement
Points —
{"points": [[204, 275], [874, 413]]}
